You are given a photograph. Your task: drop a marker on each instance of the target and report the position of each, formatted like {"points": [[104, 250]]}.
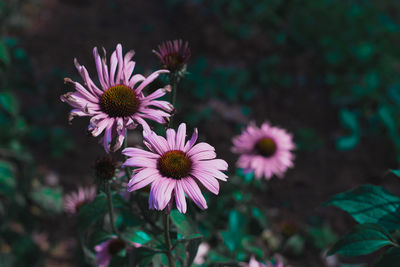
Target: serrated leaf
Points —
{"points": [[370, 204], [391, 258], [363, 240]]}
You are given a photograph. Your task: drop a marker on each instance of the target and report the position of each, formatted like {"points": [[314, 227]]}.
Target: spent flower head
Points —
{"points": [[74, 200], [266, 150], [174, 55], [119, 103], [105, 168], [174, 167]]}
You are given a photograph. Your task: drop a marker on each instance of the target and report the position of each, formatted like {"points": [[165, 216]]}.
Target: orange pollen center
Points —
{"points": [[119, 101], [175, 164], [266, 147]]}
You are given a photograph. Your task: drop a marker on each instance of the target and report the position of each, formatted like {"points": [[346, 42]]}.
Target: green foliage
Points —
{"points": [[7, 180], [349, 120], [364, 239], [370, 204], [50, 199]]}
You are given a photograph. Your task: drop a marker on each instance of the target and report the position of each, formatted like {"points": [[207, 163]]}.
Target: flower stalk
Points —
{"points": [[171, 260], [110, 207]]}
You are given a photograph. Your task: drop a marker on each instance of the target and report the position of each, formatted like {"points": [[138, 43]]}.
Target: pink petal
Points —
{"points": [[180, 197], [193, 191], [181, 136]]}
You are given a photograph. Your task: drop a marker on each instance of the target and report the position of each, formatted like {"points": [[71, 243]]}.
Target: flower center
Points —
{"points": [[266, 147], [79, 205], [115, 246], [174, 60], [175, 164], [119, 101]]}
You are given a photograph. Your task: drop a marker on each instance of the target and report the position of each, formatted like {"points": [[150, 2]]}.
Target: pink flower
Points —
{"points": [[119, 104], [74, 201], [174, 167], [202, 253], [254, 263], [265, 150], [173, 54], [106, 250]]}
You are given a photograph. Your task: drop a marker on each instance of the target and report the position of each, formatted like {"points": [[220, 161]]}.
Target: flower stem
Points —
{"points": [[174, 87], [171, 260], [110, 208]]}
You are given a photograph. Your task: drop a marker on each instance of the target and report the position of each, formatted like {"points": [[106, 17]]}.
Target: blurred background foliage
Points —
{"points": [[287, 50]]}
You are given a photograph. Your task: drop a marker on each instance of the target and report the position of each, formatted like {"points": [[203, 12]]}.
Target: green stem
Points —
{"points": [[174, 88], [110, 208], [171, 260]]}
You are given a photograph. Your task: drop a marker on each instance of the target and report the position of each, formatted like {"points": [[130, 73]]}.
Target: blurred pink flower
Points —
{"points": [[120, 103], [106, 250], [202, 252], [173, 54], [73, 201], [265, 150], [278, 262], [254, 263], [173, 167]]}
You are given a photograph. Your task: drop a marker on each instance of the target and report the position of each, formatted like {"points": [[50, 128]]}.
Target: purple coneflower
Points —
{"points": [[120, 103], [173, 54], [265, 150], [106, 250], [74, 201], [173, 166]]}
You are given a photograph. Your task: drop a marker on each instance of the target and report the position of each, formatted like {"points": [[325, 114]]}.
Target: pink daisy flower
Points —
{"points": [[174, 167], [119, 104], [74, 201], [265, 150], [173, 54], [106, 250]]}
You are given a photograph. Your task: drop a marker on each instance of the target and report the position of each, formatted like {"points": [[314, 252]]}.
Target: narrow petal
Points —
{"points": [[192, 141], [180, 197], [171, 135], [193, 191], [181, 136], [150, 79]]}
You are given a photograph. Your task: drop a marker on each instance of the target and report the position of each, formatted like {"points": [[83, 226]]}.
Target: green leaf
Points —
{"points": [[233, 237], [363, 240], [48, 198], [191, 248], [349, 120], [7, 181], [183, 223], [370, 204], [391, 258], [396, 172], [9, 103], [133, 235], [92, 212]]}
